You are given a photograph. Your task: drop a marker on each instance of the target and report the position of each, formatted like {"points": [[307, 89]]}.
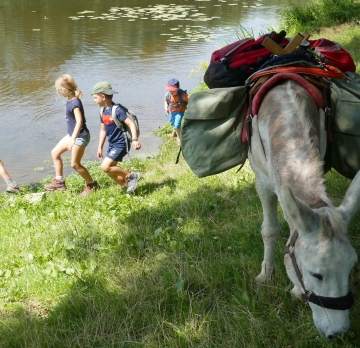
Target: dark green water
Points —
{"points": [[135, 45]]}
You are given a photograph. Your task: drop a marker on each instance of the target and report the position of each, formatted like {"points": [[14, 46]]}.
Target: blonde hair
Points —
{"points": [[67, 82]]}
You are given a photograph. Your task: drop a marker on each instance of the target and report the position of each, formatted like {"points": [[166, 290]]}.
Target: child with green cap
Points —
{"points": [[117, 149]]}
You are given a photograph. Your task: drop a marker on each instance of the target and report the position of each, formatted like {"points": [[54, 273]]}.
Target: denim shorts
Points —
{"points": [[82, 141], [116, 152], [175, 119]]}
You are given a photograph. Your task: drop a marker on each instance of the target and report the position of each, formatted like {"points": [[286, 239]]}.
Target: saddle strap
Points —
{"points": [[329, 72]]}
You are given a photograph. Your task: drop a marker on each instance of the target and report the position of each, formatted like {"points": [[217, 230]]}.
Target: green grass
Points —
{"points": [[172, 266], [348, 35], [318, 14]]}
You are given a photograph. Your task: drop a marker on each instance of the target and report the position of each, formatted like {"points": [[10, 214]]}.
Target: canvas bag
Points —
{"points": [[345, 146], [211, 130]]}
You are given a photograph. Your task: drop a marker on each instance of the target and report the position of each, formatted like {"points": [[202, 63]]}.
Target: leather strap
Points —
{"points": [[330, 72], [339, 303], [290, 248]]}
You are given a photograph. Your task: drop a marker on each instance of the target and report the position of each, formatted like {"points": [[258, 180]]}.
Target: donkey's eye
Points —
{"points": [[317, 276]]}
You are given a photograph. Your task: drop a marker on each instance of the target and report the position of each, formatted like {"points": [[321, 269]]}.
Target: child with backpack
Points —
{"points": [[175, 103], [76, 140], [117, 140], [11, 185]]}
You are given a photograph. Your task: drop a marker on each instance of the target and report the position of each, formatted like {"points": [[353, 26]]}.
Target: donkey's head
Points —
{"points": [[320, 259]]}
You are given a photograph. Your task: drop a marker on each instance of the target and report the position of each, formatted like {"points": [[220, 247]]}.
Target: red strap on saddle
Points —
{"points": [[256, 102], [313, 91], [329, 72]]}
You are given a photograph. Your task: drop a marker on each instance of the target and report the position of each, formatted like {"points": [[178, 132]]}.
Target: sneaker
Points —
{"points": [[178, 141], [13, 189], [56, 185], [91, 186], [132, 180]]}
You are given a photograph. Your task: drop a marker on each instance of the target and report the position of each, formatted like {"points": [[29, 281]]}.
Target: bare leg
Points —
{"points": [[177, 131], [77, 153], [3, 173], [56, 153], [116, 173], [11, 185], [270, 230]]}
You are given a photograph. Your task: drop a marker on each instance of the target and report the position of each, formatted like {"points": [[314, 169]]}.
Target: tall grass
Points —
{"points": [[318, 14]]}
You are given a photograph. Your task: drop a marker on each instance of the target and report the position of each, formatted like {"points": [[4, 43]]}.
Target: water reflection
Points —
{"points": [[136, 45]]}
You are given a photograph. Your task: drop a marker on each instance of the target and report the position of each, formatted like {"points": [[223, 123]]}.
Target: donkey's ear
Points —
{"points": [[351, 201], [299, 215]]}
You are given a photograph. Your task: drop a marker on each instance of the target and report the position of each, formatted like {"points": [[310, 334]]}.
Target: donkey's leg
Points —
{"points": [[270, 230]]}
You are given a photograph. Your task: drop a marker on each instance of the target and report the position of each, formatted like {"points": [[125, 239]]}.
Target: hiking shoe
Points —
{"points": [[90, 186], [132, 180], [56, 184], [13, 189]]}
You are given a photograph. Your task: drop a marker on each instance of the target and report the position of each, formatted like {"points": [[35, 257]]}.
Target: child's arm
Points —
{"points": [[166, 104], [102, 138], [76, 131], [136, 144]]}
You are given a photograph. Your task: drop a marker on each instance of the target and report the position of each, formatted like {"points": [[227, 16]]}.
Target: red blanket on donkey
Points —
{"points": [[256, 102]]}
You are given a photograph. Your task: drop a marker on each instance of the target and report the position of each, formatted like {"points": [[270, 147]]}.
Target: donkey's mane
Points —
{"points": [[294, 141]]}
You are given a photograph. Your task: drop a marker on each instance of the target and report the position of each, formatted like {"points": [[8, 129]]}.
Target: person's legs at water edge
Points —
{"points": [[12, 187]]}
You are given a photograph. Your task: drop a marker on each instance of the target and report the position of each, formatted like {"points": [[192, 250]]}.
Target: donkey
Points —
{"points": [[285, 156]]}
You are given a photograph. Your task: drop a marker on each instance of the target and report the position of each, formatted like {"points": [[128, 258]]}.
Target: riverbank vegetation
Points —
{"points": [[171, 266], [315, 15]]}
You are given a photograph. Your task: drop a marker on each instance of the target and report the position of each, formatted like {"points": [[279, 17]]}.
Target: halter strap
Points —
{"points": [[290, 247], [338, 303]]}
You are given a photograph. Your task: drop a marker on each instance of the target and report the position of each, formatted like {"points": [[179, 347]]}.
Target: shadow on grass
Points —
{"points": [[35, 187], [149, 187], [180, 276]]}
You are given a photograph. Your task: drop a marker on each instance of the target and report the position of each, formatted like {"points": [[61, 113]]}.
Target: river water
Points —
{"points": [[136, 45]]}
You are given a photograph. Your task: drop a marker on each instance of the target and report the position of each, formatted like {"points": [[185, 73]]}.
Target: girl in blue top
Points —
{"points": [[76, 140]]}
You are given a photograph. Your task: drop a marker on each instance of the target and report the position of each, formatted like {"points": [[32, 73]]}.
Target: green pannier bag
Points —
{"points": [[211, 130], [345, 107]]}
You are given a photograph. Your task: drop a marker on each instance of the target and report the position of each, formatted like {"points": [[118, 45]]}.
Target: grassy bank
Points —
{"points": [[314, 15], [172, 266]]}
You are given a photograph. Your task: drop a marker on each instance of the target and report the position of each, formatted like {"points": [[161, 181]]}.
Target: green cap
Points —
{"points": [[103, 87]]}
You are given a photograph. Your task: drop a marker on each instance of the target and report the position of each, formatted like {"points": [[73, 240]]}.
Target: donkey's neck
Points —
{"points": [[293, 146]]}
